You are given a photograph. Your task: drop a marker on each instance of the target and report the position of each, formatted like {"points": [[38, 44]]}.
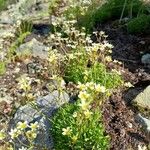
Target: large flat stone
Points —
{"points": [[25, 9], [142, 101], [33, 47]]}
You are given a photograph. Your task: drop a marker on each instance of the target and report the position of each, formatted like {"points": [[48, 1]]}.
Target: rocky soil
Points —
{"points": [[126, 114], [122, 112]]}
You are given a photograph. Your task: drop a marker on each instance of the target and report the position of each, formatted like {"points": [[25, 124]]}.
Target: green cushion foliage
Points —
{"points": [[96, 73], [92, 135], [140, 24]]}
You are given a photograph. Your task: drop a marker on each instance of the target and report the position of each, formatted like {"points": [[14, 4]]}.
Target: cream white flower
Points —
{"points": [[75, 114], [128, 84], [90, 85], [88, 39], [31, 134], [84, 105], [87, 113], [52, 36], [66, 131], [100, 88], [22, 125], [14, 133], [16, 70], [101, 33], [30, 96], [71, 56], [108, 58], [83, 95], [24, 83], [34, 126], [108, 45], [142, 148], [2, 135], [110, 51], [81, 86]]}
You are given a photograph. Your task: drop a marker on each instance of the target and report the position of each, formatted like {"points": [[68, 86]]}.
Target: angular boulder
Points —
{"points": [[34, 48], [142, 102], [40, 111]]}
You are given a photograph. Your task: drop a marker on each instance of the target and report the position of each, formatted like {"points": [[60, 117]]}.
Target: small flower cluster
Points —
{"points": [[73, 38], [25, 85], [55, 60], [76, 40], [76, 7], [89, 93], [21, 129], [128, 85]]}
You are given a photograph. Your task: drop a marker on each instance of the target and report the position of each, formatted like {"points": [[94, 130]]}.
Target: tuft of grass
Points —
{"points": [[12, 50], [24, 27]]}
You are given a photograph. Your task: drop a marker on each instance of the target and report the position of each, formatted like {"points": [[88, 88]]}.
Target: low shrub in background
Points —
{"points": [[114, 10]]}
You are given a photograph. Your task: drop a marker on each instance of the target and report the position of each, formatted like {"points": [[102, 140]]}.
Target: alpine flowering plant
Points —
{"points": [[79, 126]]}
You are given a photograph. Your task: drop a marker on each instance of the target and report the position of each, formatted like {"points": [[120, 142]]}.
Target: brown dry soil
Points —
{"points": [[118, 114]]}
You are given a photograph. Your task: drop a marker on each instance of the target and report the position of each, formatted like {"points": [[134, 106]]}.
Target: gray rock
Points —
{"points": [[5, 18], [40, 111], [145, 124], [26, 9], [146, 59], [142, 101], [34, 48]]}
